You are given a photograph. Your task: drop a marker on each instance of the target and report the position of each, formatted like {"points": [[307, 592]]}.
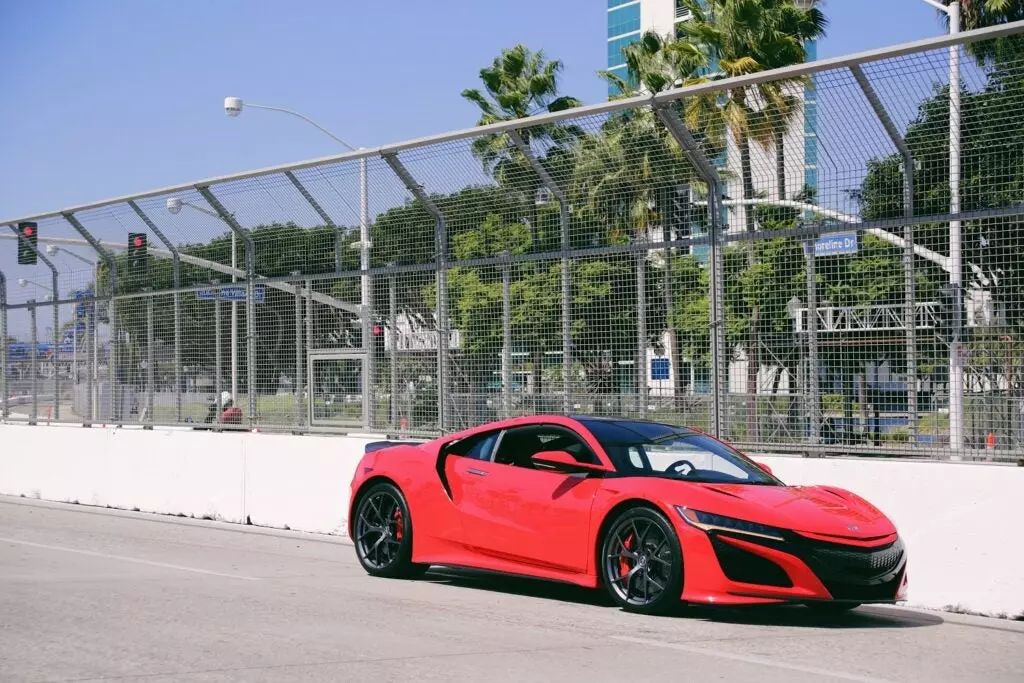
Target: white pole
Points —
{"points": [[234, 324], [366, 294], [956, 368]]}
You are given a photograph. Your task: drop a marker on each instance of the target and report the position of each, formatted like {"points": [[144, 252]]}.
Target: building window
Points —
{"points": [[617, 3], [615, 48], [624, 20]]}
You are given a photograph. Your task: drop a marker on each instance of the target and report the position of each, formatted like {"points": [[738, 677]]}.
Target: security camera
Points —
{"points": [[232, 106], [173, 204]]}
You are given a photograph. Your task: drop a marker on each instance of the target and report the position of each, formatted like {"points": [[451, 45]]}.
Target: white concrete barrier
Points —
{"points": [[961, 522]]}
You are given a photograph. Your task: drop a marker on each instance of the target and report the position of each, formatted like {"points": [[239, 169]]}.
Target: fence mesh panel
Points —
{"points": [[768, 259]]}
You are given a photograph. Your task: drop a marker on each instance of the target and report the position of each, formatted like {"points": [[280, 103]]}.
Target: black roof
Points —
{"points": [[624, 430]]}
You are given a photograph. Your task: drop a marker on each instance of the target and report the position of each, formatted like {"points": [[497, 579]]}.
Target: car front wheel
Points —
{"points": [[642, 562]]}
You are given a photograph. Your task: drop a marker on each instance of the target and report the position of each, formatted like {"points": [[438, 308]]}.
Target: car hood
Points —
{"points": [[816, 510]]}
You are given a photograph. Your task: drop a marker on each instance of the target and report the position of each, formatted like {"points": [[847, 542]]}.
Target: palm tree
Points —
{"points": [[740, 37], [981, 13], [519, 83], [621, 179]]}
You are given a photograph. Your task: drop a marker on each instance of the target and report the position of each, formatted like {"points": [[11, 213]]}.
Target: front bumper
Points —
{"points": [[731, 568]]}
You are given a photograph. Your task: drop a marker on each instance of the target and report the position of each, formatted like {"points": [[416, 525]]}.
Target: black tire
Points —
{"points": [[641, 562], [382, 534]]}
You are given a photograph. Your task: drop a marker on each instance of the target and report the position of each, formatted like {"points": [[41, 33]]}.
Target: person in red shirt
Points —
{"points": [[232, 414]]}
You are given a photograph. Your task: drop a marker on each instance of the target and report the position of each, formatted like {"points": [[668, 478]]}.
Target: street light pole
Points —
{"points": [[956, 360], [233, 107]]}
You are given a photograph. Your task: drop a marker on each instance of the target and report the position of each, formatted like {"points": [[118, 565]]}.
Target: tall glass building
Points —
{"points": [[629, 19]]}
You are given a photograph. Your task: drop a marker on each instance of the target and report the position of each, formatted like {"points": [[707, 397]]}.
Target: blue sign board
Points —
{"points": [[659, 369], [230, 293], [835, 245]]}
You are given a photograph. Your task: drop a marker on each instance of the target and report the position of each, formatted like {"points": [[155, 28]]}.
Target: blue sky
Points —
{"points": [[108, 97]]}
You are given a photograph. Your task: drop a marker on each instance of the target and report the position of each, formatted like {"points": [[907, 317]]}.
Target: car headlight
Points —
{"points": [[707, 521]]}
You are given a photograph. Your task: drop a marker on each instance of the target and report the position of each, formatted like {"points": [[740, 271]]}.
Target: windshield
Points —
{"points": [[679, 455]]}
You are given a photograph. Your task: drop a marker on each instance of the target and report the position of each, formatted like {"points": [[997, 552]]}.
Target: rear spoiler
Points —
{"points": [[380, 445]]}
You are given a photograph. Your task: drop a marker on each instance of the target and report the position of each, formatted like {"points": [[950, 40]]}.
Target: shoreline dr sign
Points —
{"points": [[231, 293], [836, 244]]}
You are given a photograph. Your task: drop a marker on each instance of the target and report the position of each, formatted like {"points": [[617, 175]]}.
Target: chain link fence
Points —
{"points": [[824, 259]]}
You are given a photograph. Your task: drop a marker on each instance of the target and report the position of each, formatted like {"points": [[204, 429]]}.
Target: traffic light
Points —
{"points": [[377, 331], [28, 233], [137, 244]]}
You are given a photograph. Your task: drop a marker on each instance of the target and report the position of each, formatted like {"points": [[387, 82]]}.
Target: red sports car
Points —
{"points": [[654, 513]]}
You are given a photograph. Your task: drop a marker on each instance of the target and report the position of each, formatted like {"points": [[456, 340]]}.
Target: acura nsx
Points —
{"points": [[654, 514]]}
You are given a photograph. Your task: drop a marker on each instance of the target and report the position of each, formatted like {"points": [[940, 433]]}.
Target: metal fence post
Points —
{"points": [[34, 367], [393, 346], [150, 365], [4, 350], [55, 291], [115, 346], [176, 265], [441, 277], [563, 217], [641, 330], [298, 359], [719, 362], [506, 336], [366, 294], [310, 375], [250, 295], [218, 355], [813, 389], [909, 294]]}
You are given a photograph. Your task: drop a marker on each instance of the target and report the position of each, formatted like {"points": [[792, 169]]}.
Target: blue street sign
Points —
{"points": [[230, 293], [835, 244]]}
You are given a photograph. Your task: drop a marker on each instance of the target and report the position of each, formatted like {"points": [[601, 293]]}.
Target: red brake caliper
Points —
{"points": [[623, 561], [399, 526]]}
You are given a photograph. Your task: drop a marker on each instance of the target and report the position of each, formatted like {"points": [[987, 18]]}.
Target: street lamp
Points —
{"points": [[174, 206], [233, 107], [956, 364]]}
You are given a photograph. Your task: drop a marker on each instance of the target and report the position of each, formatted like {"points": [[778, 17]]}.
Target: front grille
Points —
{"points": [[857, 564], [854, 573], [848, 572], [746, 567]]}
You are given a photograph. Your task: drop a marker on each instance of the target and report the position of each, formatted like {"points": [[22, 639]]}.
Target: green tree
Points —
{"points": [[518, 84], [740, 37], [981, 13]]}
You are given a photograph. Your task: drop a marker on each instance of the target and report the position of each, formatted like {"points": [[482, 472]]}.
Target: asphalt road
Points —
{"points": [[88, 594]]}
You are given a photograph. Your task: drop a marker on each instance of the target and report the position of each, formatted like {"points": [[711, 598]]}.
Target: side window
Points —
{"points": [[477, 447], [520, 444]]}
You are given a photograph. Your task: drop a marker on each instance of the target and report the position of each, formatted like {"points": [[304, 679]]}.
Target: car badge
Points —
{"points": [[853, 527]]}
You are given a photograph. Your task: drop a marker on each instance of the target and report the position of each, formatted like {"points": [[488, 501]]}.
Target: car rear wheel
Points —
{"points": [[642, 562], [383, 534]]}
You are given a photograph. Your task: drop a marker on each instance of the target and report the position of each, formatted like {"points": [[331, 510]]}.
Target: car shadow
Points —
{"points": [[863, 617]]}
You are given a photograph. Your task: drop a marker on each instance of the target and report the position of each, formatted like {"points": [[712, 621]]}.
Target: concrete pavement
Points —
{"points": [[89, 594]]}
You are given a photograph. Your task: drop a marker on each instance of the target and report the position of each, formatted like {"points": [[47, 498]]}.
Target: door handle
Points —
{"points": [[479, 473]]}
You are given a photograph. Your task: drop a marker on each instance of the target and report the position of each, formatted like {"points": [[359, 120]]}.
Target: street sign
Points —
{"points": [[835, 245], [231, 293]]}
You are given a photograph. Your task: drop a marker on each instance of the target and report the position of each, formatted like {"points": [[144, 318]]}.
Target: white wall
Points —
{"points": [[961, 522]]}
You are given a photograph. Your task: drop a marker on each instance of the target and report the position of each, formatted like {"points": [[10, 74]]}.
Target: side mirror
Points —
{"points": [[764, 467], [563, 461]]}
